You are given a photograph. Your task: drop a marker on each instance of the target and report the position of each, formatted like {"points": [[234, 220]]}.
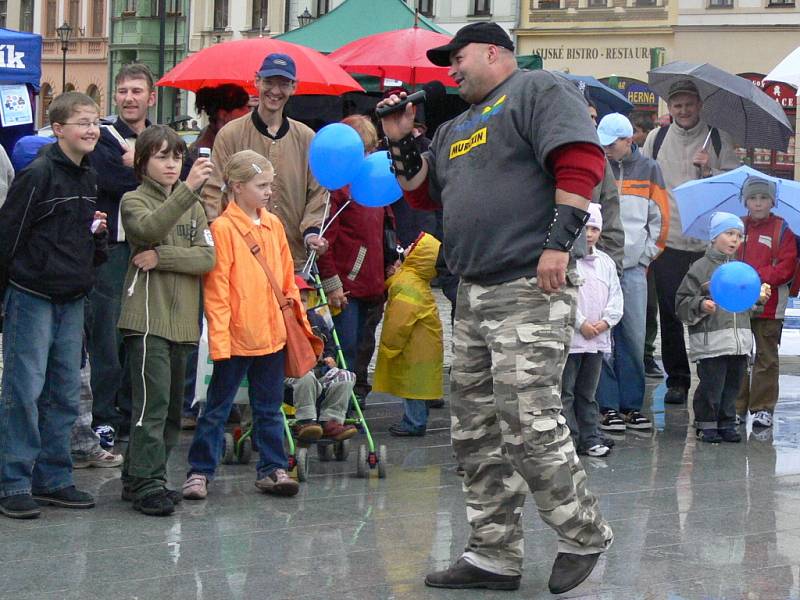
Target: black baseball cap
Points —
{"points": [[483, 32]]}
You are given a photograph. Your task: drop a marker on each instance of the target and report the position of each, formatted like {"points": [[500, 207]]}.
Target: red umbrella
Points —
{"points": [[395, 54], [237, 62]]}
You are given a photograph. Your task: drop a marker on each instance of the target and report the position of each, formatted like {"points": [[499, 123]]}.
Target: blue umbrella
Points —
{"points": [[606, 99], [697, 200]]}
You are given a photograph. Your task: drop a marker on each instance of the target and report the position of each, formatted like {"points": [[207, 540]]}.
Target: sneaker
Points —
{"points": [[636, 420], [570, 570], [710, 436], [67, 497], [762, 418], [399, 430], [607, 441], [651, 368], [278, 483], [99, 459], [333, 430], [676, 395], [157, 504], [307, 431], [106, 435], [741, 420], [174, 495], [464, 575], [729, 434], [598, 450], [21, 506], [611, 421], [196, 487]]}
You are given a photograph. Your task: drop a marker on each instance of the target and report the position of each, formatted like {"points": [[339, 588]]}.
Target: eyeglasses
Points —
{"points": [[283, 85], [85, 125]]}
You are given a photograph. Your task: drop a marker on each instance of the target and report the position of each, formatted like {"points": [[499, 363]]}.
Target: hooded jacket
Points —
{"points": [[244, 318], [643, 207], [599, 299], [411, 352], [46, 243], [722, 333], [167, 301], [756, 251]]}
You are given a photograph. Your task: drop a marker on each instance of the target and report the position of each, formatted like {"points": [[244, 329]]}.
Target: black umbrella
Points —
{"points": [[731, 103]]}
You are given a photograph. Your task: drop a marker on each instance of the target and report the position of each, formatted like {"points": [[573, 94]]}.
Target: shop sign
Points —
{"points": [[593, 53], [783, 93], [637, 92]]}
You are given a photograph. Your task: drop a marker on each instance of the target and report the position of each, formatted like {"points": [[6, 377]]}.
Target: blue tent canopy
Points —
{"points": [[20, 57]]}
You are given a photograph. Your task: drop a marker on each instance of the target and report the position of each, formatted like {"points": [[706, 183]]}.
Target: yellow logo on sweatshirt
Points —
{"points": [[462, 147]]}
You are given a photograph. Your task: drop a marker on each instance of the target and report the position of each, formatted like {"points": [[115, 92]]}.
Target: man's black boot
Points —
{"points": [[464, 575], [570, 570]]}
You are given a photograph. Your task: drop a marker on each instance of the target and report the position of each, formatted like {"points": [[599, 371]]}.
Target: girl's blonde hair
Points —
{"points": [[241, 168], [365, 129]]}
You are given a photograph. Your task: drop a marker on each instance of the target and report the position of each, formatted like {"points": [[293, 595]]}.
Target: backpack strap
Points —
{"points": [[659, 141]]}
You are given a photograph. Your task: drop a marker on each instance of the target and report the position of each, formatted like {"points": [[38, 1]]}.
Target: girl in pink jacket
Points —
{"points": [[599, 309]]}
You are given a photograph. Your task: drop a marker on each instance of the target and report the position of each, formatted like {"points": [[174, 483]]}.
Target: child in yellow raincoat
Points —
{"points": [[411, 351]]}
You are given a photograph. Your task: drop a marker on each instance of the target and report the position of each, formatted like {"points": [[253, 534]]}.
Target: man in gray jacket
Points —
{"points": [[685, 150]]}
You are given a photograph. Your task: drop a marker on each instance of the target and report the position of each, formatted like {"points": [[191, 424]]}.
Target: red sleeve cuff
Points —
{"points": [[420, 198], [577, 167]]}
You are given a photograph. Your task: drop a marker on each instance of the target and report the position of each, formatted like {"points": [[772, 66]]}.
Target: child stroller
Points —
{"points": [[238, 447]]}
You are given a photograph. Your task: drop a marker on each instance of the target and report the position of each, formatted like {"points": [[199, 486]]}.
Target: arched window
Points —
{"points": [[94, 93], [70, 88], [45, 98]]}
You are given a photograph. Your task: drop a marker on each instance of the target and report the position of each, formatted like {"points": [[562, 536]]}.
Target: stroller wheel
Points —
{"points": [[361, 463], [382, 462], [245, 451], [302, 464], [228, 449], [342, 450], [324, 452]]}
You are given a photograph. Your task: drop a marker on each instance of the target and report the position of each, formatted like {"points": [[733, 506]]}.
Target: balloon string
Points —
{"points": [[313, 254]]}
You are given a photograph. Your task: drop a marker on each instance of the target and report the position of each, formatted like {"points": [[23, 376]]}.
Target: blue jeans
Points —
{"points": [[265, 376], [621, 384], [415, 415], [41, 392]]}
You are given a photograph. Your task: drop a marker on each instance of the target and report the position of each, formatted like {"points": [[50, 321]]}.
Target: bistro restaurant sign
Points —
{"points": [[592, 53]]}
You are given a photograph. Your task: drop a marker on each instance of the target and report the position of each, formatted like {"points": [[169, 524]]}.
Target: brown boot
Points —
{"points": [[333, 430], [307, 431]]}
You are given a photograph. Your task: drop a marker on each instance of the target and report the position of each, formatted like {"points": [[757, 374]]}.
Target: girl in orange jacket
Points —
{"points": [[246, 333]]}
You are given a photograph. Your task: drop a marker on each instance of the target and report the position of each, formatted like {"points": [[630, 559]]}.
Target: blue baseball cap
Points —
{"points": [[278, 65], [612, 127]]}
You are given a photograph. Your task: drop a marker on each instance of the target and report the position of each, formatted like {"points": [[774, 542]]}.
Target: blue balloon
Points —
{"points": [[375, 185], [335, 155], [735, 286]]}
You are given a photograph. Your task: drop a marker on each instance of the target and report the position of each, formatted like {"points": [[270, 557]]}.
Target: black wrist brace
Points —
{"points": [[566, 226], [407, 161]]}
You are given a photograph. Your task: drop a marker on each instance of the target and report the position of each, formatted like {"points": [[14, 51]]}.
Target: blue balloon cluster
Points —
{"points": [[735, 286], [336, 158]]}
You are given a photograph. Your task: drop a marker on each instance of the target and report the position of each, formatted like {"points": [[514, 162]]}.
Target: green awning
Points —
{"points": [[354, 19]]}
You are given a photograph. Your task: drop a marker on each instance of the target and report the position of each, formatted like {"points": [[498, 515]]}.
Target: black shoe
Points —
{"points": [[436, 404], [398, 430], [710, 436], [21, 506], [67, 497], [651, 368], [607, 441], [729, 434], [570, 570], [463, 575], [155, 505], [174, 495], [676, 395]]}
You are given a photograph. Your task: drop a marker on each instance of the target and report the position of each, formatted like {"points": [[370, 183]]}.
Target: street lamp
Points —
{"points": [[305, 18], [64, 32]]}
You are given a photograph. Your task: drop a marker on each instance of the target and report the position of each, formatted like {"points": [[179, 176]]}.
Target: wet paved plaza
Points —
{"points": [[691, 521]]}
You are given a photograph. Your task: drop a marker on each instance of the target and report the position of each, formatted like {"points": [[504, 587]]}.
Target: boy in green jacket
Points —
{"points": [[171, 247]]}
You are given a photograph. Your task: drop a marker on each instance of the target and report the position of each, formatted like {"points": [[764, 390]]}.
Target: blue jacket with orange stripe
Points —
{"points": [[643, 207]]}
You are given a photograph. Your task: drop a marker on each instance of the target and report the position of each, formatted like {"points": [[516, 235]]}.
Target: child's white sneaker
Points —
{"points": [[762, 418], [598, 450]]}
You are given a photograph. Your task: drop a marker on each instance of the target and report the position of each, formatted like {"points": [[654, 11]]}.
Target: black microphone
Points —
{"points": [[430, 91]]}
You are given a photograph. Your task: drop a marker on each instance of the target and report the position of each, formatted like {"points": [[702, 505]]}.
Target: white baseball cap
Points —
{"points": [[612, 127]]}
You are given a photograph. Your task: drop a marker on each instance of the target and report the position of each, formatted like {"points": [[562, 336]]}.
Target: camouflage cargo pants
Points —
{"points": [[511, 342]]}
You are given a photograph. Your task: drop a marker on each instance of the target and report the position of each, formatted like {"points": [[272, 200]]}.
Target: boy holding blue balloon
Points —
{"points": [[720, 341]]}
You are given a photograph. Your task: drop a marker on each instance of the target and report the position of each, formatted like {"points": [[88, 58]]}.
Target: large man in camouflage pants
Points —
{"points": [[513, 174]]}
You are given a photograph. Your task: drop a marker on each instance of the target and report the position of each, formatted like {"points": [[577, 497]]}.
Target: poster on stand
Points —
{"points": [[15, 107]]}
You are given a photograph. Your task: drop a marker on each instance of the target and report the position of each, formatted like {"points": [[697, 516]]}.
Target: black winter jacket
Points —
{"points": [[46, 243]]}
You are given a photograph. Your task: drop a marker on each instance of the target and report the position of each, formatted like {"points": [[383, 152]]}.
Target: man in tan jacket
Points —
{"points": [[298, 199]]}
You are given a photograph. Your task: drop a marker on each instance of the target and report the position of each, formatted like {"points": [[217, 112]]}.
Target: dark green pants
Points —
{"points": [[156, 419]]}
